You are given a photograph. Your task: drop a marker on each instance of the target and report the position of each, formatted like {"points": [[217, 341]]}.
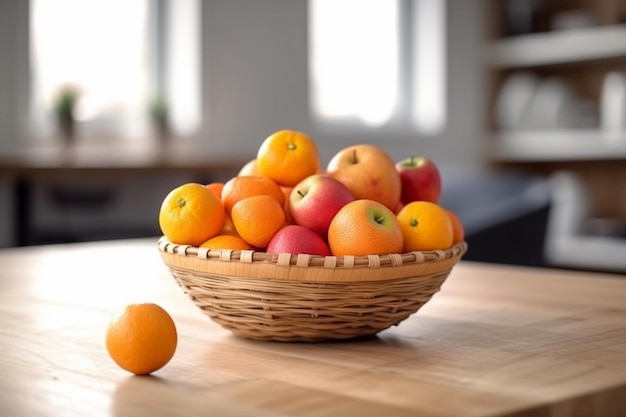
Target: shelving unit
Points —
{"points": [[560, 47], [558, 145], [579, 56], [593, 156]]}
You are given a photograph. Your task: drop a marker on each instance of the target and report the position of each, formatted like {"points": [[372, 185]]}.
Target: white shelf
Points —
{"points": [[559, 47], [558, 145]]}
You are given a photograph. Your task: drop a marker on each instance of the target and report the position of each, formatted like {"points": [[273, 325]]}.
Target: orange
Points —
{"points": [[458, 230], [190, 214], [364, 227], [226, 242], [425, 226], [249, 168], [229, 227], [216, 187], [287, 192], [257, 219], [240, 187], [288, 157], [142, 338]]}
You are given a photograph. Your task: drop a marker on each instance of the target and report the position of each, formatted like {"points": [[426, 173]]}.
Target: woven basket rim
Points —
{"points": [[306, 260]]}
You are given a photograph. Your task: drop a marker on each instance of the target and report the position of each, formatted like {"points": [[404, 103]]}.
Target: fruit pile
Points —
{"points": [[284, 201]]}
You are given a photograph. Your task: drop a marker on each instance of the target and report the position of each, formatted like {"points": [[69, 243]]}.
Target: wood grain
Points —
{"points": [[495, 341]]}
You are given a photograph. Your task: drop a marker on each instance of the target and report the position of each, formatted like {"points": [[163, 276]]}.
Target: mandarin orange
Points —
{"points": [[257, 219], [287, 192], [425, 226], [229, 227], [233, 242], [240, 187], [458, 230], [287, 157], [142, 338], [216, 187], [190, 214]]}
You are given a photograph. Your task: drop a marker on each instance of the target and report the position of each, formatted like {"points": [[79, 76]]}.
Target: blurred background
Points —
{"points": [[106, 105]]}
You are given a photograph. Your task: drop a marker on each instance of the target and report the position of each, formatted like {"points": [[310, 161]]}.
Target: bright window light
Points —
{"points": [[354, 53], [369, 64], [99, 47], [429, 61], [183, 65]]}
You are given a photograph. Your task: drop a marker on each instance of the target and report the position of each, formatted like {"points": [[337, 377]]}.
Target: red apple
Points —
{"points": [[315, 200], [420, 180], [296, 239]]}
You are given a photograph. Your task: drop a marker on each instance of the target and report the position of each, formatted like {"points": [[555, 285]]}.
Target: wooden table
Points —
{"points": [[495, 341]]}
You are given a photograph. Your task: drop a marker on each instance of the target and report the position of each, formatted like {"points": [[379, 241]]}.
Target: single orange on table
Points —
{"points": [[191, 214], [425, 226], [142, 338], [240, 187], [364, 227], [458, 230], [233, 242], [257, 219], [288, 157]]}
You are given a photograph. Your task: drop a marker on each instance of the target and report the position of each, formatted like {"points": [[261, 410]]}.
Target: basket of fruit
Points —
{"points": [[285, 251]]}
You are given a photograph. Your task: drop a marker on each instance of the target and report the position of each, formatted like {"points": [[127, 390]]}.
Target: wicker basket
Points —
{"points": [[304, 298]]}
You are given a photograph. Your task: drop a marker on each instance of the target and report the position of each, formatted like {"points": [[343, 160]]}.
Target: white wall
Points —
{"points": [[255, 69], [14, 71], [13, 99], [255, 65]]}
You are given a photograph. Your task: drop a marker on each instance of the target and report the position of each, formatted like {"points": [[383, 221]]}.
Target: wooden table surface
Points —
{"points": [[495, 341]]}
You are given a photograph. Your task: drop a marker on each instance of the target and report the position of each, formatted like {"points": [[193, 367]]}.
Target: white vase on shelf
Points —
{"points": [[613, 105]]}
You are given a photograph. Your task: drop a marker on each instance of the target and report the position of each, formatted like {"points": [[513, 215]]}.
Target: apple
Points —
{"points": [[420, 179], [250, 168], [295, 239], [368, 172], [315, 200], [365, 227]]}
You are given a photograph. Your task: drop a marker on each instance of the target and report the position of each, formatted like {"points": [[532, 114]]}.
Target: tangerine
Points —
{"points": [[458, 230], [425, 226], [240, 187], [288, 216], [257, 219], [142, 338], [226, 241], [216, 187], [229, 227], [287, 157], [190, 214]]}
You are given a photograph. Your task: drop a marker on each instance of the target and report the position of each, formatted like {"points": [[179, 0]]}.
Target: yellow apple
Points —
{"points": [[369, 173]]}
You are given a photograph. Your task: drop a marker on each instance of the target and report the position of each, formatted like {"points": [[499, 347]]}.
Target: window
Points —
{"points": [[377, 62], [120, 55], [355, 70]]}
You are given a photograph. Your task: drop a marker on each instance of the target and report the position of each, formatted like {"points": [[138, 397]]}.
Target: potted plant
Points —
{"points": [[64, 108], [159, 117]]}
